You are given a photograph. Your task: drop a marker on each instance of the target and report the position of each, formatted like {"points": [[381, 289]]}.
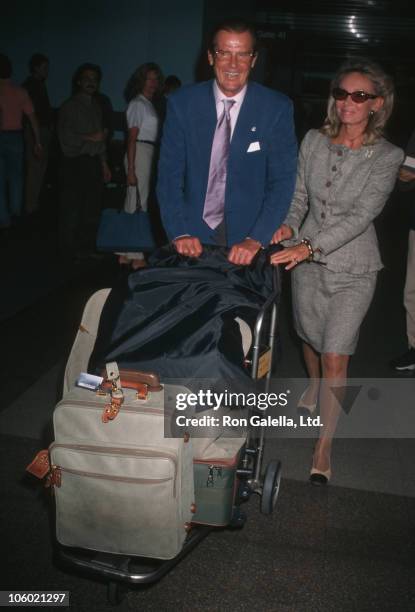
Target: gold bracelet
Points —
{"points": [[309, 246]]}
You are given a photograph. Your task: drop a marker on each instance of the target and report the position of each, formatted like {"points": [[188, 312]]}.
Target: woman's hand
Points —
{"points": [[131, 178], [291, 255], [284, 232]]}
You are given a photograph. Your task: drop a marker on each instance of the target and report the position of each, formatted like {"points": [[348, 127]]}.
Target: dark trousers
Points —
{"points": [[81, 194], [11, 175], [35, 166]]}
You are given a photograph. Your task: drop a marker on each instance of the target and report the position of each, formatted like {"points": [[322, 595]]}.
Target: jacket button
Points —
{"points": [[323, 215], [334, 168], [328, 184], [323, 202]]}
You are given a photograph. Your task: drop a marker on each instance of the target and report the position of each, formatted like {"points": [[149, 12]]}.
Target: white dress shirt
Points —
{"points": [[234, 112]]}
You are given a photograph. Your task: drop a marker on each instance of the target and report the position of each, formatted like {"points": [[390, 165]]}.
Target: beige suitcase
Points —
{"points": [[120, 486]]}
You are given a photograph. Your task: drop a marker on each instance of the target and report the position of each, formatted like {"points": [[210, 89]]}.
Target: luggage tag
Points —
{"points": [[40, 466], [89, 381]]}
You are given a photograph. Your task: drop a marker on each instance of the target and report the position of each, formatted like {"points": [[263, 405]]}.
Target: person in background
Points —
{"points": [[406, 362], [36, 165], [142, 141], [14, 104], [171, 84], [84, 165], [103, 101], [106, 109], [346, 172]]}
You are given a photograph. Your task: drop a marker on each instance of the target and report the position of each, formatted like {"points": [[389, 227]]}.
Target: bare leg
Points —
{"points": [[312, 362], [334, 370]]}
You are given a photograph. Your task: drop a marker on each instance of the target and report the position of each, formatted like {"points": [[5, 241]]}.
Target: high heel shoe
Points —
{"points": [[303, 408], [319, 478]]}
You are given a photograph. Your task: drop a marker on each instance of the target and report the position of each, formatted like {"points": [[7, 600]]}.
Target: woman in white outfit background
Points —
{"points": [[143, 131]]}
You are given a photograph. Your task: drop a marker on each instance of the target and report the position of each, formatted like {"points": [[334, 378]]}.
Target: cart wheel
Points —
{"points": [[271, 487], [115, 593]]}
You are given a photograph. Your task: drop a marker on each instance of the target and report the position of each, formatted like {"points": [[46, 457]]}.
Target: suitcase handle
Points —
{"points": [[115, 380], [131, 379], [141, 388]]}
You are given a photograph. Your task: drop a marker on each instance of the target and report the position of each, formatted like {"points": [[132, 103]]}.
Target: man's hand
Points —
{"points": [[284, 232], [106, 172], [243, 253], [131, 178], [189, 246], [406, 175], [95, 136]]}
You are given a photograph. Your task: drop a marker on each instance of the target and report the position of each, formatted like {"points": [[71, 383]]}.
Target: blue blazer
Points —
{"points": [[260, 183]]}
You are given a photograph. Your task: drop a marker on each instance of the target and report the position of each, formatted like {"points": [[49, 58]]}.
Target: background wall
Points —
{"points": [[116, 34]]}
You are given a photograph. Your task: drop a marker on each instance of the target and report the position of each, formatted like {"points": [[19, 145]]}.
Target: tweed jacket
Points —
{"points": [[339, 192]]}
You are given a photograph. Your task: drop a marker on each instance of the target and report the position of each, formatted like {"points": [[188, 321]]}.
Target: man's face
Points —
{"points": [[88, 83], [232, 61]]}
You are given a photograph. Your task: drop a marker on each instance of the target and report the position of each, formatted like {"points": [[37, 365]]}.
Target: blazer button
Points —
{"points": [[328, 184], [334, 168], [323, 215]]}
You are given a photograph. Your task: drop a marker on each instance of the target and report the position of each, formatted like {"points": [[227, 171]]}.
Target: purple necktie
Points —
{"points": [[213, 210]]}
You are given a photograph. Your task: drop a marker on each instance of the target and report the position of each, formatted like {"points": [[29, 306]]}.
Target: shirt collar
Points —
{"points": [[219, 95]]}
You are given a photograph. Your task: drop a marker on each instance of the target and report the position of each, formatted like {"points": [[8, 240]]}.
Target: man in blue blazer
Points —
{"points": [[261, 159]]}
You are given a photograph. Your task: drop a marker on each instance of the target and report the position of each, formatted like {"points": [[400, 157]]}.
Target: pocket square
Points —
{"points": [[254, 146]]}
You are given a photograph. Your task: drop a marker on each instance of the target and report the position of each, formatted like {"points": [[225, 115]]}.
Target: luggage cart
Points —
{"points": [[122, 570]]}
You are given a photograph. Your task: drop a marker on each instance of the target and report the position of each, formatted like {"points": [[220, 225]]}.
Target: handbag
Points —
{"points": [[124, 231]]}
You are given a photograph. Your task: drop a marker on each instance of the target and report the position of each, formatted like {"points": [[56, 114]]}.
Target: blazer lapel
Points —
{"points": [[205, 117]]}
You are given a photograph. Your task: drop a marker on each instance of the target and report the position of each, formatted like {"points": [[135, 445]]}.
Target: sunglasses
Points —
{"points": [[357, 96]]}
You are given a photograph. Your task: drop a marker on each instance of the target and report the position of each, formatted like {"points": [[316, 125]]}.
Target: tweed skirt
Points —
{"points": [[329, 307]]}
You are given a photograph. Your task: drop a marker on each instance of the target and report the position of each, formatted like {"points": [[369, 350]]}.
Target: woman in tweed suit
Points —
{"points": [[346, 172]]}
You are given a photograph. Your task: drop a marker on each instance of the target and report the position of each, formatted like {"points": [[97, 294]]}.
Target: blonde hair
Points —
{"points": [[383, 87]]}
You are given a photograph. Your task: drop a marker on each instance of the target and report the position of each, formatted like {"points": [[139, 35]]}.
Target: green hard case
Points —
{"points": [[215, 488]]}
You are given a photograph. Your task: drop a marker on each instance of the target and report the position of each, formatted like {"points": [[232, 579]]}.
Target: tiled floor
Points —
{"points": [[347, 547]]}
